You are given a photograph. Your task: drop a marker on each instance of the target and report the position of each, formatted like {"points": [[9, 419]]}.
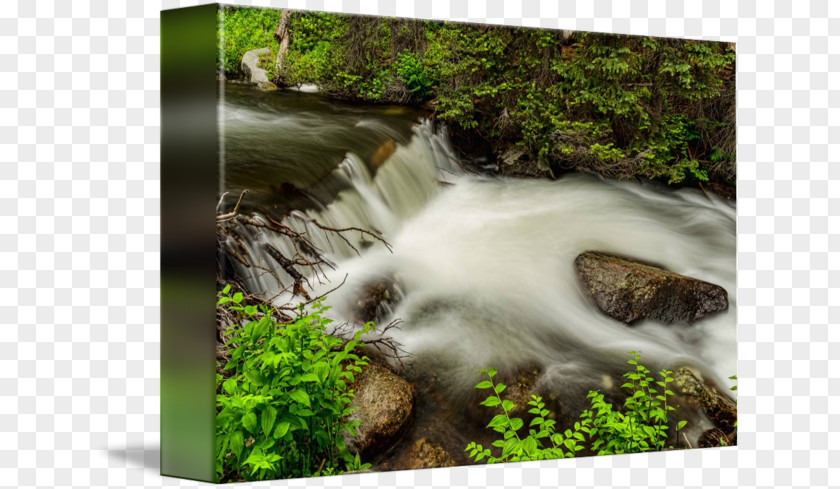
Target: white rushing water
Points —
{"points": [[486, 265]]}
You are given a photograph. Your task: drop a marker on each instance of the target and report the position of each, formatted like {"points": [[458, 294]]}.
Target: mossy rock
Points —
{"points": [[718, 407], [426, 455], [384, 403], [628, 290]]}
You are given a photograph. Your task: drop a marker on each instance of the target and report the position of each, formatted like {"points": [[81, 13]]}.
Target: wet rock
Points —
{"points": [[628, 290], [715, 437], [719, 408], [375, 300], [383, 152], [513, 155], [384, 403], [425, 455], [251, 69], [520, 387], [266, 86]]}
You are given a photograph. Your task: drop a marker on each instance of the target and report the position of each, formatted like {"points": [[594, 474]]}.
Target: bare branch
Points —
{"points": [[235, 212]]}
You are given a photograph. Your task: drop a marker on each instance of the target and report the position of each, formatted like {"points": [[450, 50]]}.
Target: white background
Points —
{"points": [[80, 229]]}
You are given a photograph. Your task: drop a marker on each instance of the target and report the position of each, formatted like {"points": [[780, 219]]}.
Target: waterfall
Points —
{"points": [[485, 265]]}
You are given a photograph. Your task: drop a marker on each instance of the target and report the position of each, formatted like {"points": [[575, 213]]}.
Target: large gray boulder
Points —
{"points": [[384, 403], [628, 290], [251, 68]]}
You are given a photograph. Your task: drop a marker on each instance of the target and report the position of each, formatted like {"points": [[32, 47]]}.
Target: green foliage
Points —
{"points": [[410, 69], [541, 442], [640, 425], [314, 54], [621, 106], [646, 90], [243, 29], [282, 412], [467, 65]]}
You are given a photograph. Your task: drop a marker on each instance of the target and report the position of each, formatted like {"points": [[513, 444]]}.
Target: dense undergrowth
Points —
{"points": [[620, 106], [283, 410]]}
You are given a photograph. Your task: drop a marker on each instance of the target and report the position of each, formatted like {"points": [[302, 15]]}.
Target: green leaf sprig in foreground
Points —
{"points": [[640, 425]]}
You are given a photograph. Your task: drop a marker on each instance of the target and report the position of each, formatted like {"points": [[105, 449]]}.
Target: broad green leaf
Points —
{"points": [[300, 396], [491, 401], [237, 443], [249, 421], [281, 429], [310, 377], [498, 420], [267, 419], [322, 370]]}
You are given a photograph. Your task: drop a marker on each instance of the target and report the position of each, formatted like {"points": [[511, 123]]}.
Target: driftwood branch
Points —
{"points": [[235, 212]]}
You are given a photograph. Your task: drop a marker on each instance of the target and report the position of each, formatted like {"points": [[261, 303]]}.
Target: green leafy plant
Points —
{"points": [[283, 410], [541, 441], [640, 425], [410, 69]]}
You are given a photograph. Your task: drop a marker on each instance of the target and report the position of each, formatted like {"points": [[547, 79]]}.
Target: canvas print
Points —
{"points": [[442, 244]]}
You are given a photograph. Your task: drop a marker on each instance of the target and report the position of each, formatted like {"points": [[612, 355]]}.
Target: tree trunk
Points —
{"points": [[282, 36]]}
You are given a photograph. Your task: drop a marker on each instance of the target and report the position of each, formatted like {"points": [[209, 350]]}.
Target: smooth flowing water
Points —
{"points": [[485, 265]]}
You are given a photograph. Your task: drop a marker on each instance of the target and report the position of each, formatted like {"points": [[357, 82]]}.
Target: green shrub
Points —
{"points": [[314, 54], [410, 69], [283, 411], [641, 424]]}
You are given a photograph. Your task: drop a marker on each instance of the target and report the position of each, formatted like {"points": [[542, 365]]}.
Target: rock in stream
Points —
{"points": [[628, 290], [719, 407], [253, 73], [384, 403], [375, 300]]}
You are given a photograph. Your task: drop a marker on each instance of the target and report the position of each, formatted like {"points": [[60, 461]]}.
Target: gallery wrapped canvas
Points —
{"points": [[395, 244]]}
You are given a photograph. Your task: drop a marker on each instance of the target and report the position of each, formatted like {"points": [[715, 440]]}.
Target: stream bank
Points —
{"points": [[523, 101]]}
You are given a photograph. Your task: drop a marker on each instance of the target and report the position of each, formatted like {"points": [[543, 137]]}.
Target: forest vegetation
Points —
{"points": [[536, 102]]}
